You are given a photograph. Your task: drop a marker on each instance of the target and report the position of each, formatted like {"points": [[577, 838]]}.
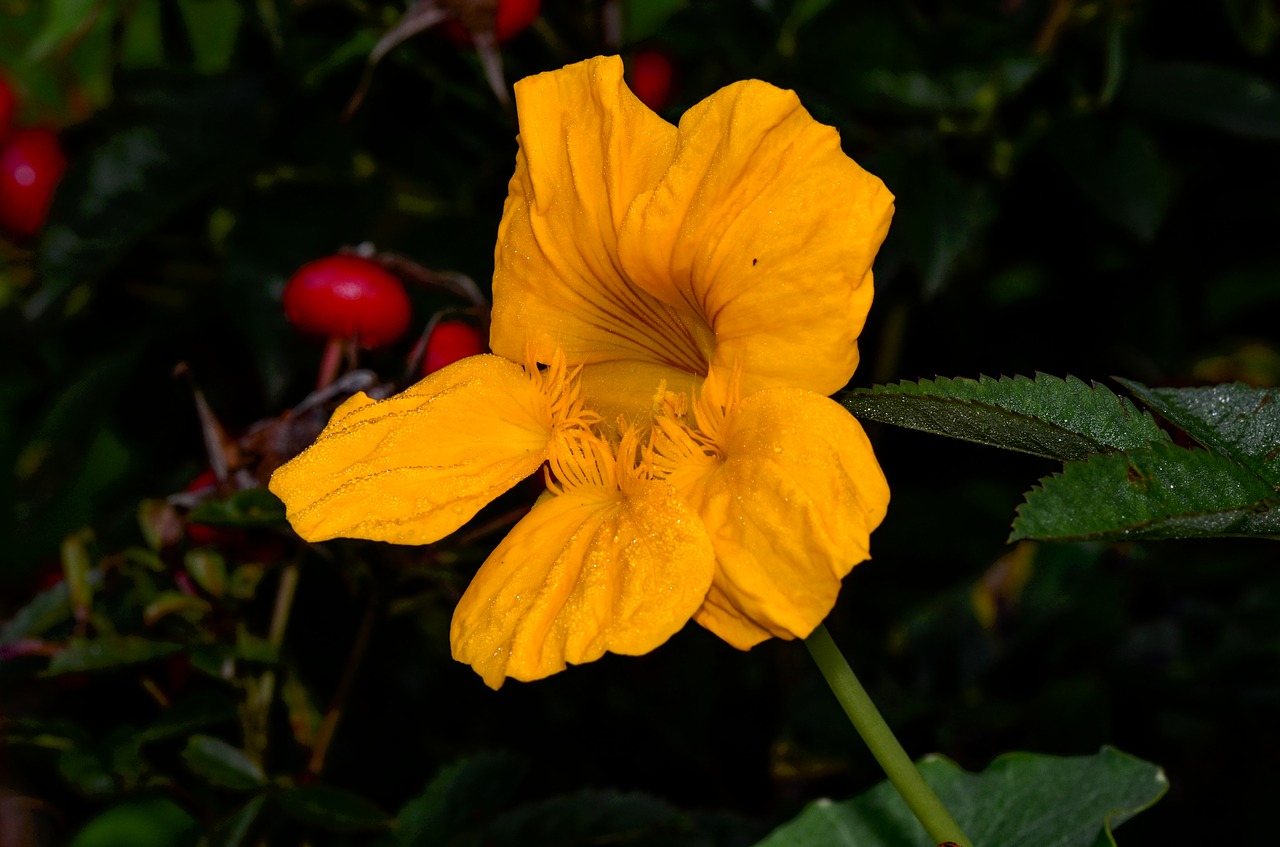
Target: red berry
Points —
{"points": [[449, 342], [31, 165], [514, 16], [347, 297], [510, 18], [8, 105], [650, 78]]}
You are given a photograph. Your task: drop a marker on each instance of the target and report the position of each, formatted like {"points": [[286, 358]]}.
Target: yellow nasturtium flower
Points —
{"points": [[671, 307]]}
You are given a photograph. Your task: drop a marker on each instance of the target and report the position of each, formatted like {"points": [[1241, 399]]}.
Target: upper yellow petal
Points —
{"points": [[588, 146], [595, 568], [767, 230], [414, 467], [789, 498]]}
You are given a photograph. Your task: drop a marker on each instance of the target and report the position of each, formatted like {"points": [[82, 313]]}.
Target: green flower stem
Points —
{"points": [[866, 718]]}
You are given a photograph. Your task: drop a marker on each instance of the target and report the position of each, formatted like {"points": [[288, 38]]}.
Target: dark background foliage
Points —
{"points": [[1084, 188]]}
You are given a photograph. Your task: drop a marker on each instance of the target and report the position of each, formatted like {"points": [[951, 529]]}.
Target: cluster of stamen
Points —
{"points": [[680, 435]]}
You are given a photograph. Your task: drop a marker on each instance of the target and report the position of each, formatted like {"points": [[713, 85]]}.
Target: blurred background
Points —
{"points": [[1083, 188]]}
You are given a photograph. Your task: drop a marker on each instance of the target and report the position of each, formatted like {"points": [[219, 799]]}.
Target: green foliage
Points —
{"points": [[1223, 98], [1081, 188], [144, 822], [1161, 492], [222, 764], [460, 795], [626, 818], [331, 808], [1123, 478], [1019, 799], [1051, 417], [95, 654], [1238, 421]]}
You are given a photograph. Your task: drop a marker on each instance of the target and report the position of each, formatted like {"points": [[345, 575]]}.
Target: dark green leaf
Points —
{"points": [[142, 41], [188, 714], [331, 808], [248, 508], [1220, 97], [1236, 420], [212, 27], [234, 829], [64, 19], [977, 88], [185, 143], [1020, 800], [459, 796], [208, 568], [217, 660], [1255, 23], [140, 822], [85, 771], [47, 609], [222, 764], [175, 603], [95, 654], [77, 567], [645, 18], [940, 215], [1120, 171], [304, 716], [593, 817], [1051, 417], [244, 580], [1161, 492]]}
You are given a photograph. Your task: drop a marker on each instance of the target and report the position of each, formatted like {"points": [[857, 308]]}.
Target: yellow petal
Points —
{"points": [[592, 569], [789, 503], [414, 467], [587, 148], [765, 228]]}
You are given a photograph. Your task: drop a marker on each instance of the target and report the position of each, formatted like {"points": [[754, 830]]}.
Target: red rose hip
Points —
{"points": [[8, 106], [347, 297], [510, 18], [31, 166], [450, 341], [649, 77]]}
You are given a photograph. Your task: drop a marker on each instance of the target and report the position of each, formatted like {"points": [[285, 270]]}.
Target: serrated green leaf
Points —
{"points": [[94, 654], [458, 796], [331, 808], [222, 764], [1050, 417], [1236, 420], [1164, 491], [1021, 799]]}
